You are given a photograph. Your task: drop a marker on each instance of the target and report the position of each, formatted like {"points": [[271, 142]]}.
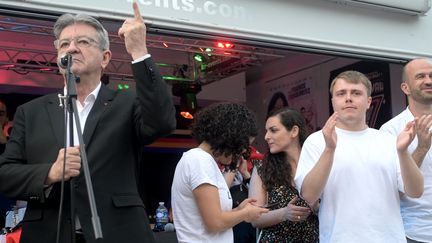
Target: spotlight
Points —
{"points": [[188, 101], [198, 57], [122, 86], [186, 115], [188, 105], [225, 45]]}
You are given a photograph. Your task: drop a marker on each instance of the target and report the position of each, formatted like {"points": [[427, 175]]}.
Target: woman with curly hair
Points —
{"points": [[201, 200], [291, 218]]}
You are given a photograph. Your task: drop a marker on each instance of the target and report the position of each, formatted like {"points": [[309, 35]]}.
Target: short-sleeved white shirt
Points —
{"points": [[416, 212], [360, 201], [197, 167]]}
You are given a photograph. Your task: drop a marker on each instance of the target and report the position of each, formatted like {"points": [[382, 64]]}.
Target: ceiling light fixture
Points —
{"points": [[198, 57]]}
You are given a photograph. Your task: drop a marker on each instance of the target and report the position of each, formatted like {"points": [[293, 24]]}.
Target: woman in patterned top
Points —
{"points": [[291, 219]]}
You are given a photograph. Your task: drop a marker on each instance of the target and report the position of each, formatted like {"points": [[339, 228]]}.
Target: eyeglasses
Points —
{"points": [[81, 42]]}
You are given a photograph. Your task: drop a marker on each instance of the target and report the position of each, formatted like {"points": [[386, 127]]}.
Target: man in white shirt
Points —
{"points": [[417, 85], [357, 171]]}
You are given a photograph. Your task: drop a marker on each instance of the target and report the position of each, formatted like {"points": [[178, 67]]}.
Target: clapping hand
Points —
{"points": [[406, 137], [423, 125], [329, 131]]}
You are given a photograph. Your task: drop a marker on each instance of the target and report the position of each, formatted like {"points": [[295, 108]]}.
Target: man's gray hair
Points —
{"points": [[69, 19]]}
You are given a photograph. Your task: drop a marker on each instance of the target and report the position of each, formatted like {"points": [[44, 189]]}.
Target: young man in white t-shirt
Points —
{"points": [[417, 85], [357, 171]]}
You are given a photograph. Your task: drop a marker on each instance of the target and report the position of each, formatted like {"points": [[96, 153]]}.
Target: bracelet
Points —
{"points": [[233, 170], [228, 169]]}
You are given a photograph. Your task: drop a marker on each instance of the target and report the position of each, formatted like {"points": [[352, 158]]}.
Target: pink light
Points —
{"points": [[225, 45], [229, 45], [8, 66]]}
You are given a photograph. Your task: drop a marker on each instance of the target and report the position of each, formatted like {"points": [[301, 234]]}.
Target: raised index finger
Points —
{"points": [[137, 14]]}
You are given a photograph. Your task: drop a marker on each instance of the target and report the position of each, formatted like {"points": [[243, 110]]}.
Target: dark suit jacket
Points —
{"points": [[118, 126]]}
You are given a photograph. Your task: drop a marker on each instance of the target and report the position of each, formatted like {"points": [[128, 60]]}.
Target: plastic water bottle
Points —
{"points": [[161, 217]]}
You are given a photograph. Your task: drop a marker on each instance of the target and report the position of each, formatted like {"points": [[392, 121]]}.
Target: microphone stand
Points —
{"points": [[71, 97]]}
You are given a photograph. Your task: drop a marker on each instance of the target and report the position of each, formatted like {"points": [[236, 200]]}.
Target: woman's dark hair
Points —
{"points": [[226, 127], [276, 169], [276, 96]]}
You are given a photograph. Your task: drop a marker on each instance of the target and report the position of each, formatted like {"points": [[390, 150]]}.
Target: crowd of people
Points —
{"points": [[357, 172], [344, 183], [315, 186]]}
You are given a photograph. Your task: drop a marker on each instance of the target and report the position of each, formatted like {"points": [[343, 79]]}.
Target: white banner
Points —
{"points": [[321, 26]]}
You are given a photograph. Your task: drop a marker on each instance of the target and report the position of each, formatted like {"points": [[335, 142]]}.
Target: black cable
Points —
{"points": [[63, 177]]}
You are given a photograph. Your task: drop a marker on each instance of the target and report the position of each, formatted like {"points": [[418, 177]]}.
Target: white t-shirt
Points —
{"points": [[416, 212], [197, 167], [360, 202]]}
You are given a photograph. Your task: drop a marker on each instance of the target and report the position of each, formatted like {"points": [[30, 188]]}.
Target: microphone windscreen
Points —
{"points": [[169, 227], [63, 61]]}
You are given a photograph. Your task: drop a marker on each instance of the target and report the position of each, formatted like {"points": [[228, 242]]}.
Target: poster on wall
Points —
{"points": [[379, 75], [298, 92]]}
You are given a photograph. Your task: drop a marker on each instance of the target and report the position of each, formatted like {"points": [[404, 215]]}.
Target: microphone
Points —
{"points": [[169, 227], [64, 60]]}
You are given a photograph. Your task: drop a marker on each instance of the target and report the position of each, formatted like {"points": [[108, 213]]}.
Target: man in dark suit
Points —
{"points": [[115, 124], [5, 203]]}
